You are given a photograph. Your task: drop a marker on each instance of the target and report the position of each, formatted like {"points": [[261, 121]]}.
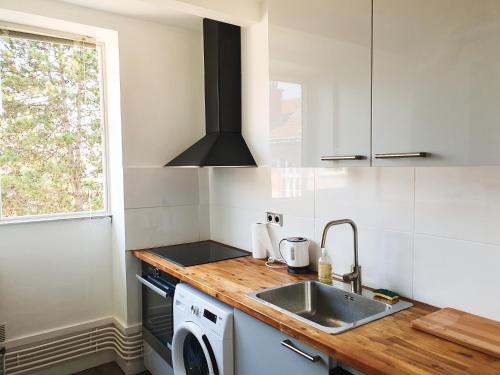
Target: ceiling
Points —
{"points": [[180, 13]]}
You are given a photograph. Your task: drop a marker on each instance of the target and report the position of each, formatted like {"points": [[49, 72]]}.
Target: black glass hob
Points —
{"points": [[191, 254]]}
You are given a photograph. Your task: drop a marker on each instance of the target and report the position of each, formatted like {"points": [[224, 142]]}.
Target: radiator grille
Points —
{"points": [[37, 356], [3, 332]]}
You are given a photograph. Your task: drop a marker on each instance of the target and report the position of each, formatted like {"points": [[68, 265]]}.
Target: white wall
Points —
{"points": [[164, 110], [54, 274], [255, 89], [428, 233], [161, 113]]}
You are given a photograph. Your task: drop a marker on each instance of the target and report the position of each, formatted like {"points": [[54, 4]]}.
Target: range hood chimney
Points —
{"points": [[223, 145]]}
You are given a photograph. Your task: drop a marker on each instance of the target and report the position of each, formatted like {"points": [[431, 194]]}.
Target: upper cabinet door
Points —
{"points": [[320, 82], [436, 82]]}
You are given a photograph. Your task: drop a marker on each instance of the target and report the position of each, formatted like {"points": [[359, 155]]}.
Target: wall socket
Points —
{"points": [[274, 219]]}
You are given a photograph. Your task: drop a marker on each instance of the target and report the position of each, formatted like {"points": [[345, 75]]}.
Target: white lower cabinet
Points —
{"points": [[259, 350]]}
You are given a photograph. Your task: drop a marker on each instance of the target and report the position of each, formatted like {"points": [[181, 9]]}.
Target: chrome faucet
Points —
{"points": [[354, 277]]}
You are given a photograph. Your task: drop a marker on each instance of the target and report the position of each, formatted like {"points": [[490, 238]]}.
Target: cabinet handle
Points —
{"points": [[289, 345], [402, 155], [343, 157]]}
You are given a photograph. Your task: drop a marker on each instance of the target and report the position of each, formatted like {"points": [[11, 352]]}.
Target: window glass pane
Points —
{"points": [[51, 138]]}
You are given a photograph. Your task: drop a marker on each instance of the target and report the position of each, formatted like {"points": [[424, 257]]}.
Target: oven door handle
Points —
{"points": [[151, 286]]}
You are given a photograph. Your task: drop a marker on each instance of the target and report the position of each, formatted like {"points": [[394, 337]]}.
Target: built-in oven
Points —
{"points": [[158, 290]]}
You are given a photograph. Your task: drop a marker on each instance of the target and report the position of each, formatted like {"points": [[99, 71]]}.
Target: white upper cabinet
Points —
{"points": [[320, 82], [436, 81]]}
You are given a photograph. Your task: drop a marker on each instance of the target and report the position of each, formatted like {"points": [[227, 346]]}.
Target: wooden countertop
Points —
{"points": [[386, 346]]}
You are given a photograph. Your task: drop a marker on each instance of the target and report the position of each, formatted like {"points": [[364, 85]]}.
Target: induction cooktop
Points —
{"points": [[193, 253]]}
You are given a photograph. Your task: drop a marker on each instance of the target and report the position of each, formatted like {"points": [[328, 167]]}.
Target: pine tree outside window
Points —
{"points": [[52, 138]]}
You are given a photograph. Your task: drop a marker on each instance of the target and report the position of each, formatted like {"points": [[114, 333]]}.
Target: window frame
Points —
{"points": [[100, 48]]}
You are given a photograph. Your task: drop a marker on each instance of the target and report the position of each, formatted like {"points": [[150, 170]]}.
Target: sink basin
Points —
{"points": [[330, 308]]}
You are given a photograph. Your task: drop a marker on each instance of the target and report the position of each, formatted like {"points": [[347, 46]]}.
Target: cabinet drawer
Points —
{"points": [[261, 349]]}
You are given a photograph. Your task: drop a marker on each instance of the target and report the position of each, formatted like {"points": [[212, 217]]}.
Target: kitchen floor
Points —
{"points": [[107, 369]]}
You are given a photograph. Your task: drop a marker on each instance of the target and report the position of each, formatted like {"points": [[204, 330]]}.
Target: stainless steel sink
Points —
{"points": [[330, 308]]}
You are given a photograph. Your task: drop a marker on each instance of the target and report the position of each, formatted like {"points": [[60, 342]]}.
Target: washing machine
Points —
{"points": [[203, 334]]}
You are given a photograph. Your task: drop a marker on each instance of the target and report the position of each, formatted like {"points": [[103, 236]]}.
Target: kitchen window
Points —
{"points": [[53, 161]]}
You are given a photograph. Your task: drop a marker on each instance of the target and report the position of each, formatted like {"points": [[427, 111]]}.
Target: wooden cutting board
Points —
{"points": [[462, 328]]}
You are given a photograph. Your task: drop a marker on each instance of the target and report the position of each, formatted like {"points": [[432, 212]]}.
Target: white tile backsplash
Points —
{"points": [[240, 187], [370, 196], [386, 256], [427, 233], [423, 232], [204, 185], [459, 274], [204, 223], [232, 225], [160, 187], [460, 203], [387, 259], [165, 206], [287, 191], [160, 226], [291, 191]]}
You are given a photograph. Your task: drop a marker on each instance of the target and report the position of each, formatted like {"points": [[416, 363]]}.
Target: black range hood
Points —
{"points": [[223, 145]]}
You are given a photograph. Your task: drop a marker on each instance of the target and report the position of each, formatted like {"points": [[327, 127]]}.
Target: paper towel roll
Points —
{"points": [[261, 242]]}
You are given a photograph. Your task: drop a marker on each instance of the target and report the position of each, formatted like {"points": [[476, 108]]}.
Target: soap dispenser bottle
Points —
{"points": [[324, 268]]}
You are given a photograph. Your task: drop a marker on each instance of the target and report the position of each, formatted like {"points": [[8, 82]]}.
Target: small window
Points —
{"points": [[52, 138]]}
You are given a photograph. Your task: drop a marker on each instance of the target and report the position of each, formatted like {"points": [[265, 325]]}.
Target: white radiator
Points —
{"points": [[22, 360]]}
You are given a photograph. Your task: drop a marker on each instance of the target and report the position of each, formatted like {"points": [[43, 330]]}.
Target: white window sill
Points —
{"points": [[58, 217]]}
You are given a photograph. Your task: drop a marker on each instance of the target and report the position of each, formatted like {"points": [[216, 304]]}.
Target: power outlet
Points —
{"points": [[274, 219]]}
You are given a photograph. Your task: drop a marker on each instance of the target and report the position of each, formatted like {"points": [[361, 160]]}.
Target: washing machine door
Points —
{"points": [[192, 353]]}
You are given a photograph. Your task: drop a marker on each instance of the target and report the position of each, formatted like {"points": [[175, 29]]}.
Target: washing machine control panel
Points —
{"points": [[190, 304], [210, 316], [204, 313], [195, 310]]}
